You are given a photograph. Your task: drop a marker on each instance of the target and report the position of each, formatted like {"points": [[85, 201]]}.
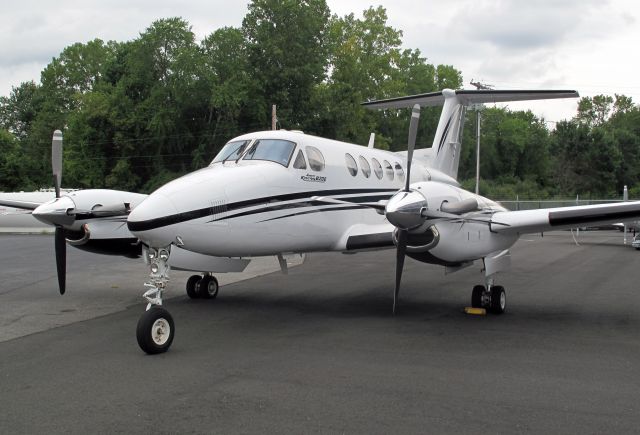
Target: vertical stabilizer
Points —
{"points": [[447, 141]]}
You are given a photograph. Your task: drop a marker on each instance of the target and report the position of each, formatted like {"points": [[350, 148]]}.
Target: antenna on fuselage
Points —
{"points": [[274, 118], [372, 139]]}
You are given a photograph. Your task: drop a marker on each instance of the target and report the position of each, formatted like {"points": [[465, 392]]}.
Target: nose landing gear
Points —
{"points": [[156, 329]]}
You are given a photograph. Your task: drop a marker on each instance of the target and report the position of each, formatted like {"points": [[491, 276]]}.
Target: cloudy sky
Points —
{"points": [[587, 45]]}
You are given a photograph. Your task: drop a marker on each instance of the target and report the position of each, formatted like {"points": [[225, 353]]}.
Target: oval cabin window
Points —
{"points": [[399, 172], [365, 167], [352, 166], [388, 169], [377, 168]]}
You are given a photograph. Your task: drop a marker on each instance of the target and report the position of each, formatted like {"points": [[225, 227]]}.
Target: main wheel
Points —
{"points": [[476, 296], [498, 299], [192, 286], [208, 287], [155, 330]]}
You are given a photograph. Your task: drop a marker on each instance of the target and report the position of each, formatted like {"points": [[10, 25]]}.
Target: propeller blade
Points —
{"points": [[413, 131], [61, 258], [56, 160], [400, 253]]}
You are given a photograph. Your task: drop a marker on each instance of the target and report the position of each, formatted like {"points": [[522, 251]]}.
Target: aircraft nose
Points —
{"points": [[149, 220]]}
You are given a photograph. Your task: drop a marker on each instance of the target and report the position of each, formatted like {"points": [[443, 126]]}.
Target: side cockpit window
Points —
{"points": [[231, 151], [300, 162], [316, 159], [272, 150]]}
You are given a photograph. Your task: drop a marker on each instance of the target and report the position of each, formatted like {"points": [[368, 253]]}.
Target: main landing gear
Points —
{"points": [[492, 297], [205, 287]]}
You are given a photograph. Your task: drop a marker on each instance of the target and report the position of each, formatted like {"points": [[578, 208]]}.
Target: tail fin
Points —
{"points": [[446, 143]]}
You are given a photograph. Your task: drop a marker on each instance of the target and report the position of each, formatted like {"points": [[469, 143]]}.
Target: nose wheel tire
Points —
{"points": [[498, 300], [208, 287], [192, 286], [155, 331]]}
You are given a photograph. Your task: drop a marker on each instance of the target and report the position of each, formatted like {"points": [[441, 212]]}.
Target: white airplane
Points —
{"points": [[282, 192], [278, 192]]}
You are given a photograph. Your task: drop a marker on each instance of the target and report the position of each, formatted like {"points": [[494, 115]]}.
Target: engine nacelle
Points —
{"points": [[105, 238], [419, 241]]}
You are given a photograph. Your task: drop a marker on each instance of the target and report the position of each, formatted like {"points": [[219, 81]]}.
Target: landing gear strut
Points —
{"points": [[155, 330]]}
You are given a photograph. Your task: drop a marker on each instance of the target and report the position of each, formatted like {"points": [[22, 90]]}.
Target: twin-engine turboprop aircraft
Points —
{"points": [[278, 192], [282, 192]]}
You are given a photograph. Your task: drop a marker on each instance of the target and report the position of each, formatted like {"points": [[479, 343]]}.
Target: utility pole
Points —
{"points": [[478, 108], [625, 198], [274, 119], [478, 150]]}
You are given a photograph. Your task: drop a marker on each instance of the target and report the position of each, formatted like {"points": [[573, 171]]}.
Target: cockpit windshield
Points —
{"points": [[231, 151], [273, 150]]}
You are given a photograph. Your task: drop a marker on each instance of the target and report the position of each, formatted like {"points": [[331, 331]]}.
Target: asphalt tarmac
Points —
{"points": [[318, 351]]}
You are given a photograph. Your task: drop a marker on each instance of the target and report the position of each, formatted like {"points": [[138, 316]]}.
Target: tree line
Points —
{"points": [[139, 113]]}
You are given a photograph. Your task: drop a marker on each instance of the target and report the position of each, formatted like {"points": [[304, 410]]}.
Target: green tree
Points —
{"points": [[287, 55], [18, 111], [230, 90], [594, 111], [11, 163]]}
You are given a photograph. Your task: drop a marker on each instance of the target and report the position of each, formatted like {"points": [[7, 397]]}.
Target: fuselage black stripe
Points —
{"points": [[307, 203], [208, 211], [318, 210]]}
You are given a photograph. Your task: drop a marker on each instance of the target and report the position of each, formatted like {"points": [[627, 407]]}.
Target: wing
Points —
{"points": [[24, 205], [547, 219]]}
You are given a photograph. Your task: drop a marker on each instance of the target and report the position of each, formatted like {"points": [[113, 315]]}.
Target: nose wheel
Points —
{"points": [[155, 330], [493, 300]]}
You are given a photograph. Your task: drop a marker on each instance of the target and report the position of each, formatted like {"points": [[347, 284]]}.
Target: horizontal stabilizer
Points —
{"points": [[468, 97]]}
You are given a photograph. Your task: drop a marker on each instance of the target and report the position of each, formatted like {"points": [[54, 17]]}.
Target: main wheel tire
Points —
{"points": [[192, 286], [476, 296], [155, 330], [208, 287], [498, 299]]}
